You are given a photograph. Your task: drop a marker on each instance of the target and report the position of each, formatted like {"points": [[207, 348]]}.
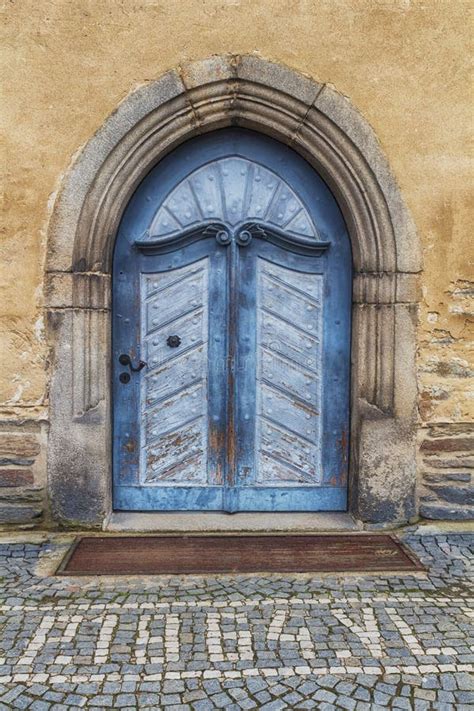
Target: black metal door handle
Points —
{"points": [[124, 359]]}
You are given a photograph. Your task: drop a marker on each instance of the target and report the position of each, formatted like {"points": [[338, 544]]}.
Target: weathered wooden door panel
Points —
{"points": [[181, 302], [174, 385], [288, 392], [232, 281]]}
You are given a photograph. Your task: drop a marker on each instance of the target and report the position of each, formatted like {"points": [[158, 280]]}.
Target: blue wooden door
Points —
{"points": [[231, 334]]}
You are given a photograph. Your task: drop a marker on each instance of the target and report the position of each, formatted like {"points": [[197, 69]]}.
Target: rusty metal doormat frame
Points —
{"points": [[238, 554]]}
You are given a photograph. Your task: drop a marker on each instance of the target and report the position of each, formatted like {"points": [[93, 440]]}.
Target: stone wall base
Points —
{"points": [[447, 459], [23, 496], [446, 482]]}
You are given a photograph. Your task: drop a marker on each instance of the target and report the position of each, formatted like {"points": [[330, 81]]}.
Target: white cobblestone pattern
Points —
{"points": [[239, 642]]}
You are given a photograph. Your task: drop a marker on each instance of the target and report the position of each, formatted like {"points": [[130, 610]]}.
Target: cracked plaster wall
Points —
{"points": [[404, 64]]}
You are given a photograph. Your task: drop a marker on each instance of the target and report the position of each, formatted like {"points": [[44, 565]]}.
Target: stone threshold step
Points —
{"points": [[220, 522]]}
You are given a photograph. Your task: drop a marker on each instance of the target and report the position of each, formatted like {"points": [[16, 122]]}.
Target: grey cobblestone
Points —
{"points": [[243, 642], [101, 700]]}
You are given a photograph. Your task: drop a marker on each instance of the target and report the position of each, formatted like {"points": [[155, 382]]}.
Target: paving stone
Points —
{"points": [[203, 705], [245, 641], [23, 701], [193, 695], [307, 688], [238, 694], [345, 687], [362, 694], [101, 700], [11, 695], [324, 695], [212, 686], [292, 699], [465, 681], [39, 705], [275, 705], [401, 703], [389, 689], [75, 700], [448, 682], [53, 696], [169, 699], [173, 686], [464, 697], [263, 697], [125, 700], [255, 684], [421, 705], [426, 694]]}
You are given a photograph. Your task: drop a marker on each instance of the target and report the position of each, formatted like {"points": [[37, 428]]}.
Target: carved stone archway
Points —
{"points": [[324, 128]]}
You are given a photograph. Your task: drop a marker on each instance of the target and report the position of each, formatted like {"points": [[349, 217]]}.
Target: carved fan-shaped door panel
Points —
{"points": [[231, 334]]}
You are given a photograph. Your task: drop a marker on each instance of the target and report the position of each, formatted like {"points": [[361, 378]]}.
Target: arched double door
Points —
{"points": [[231, 334]]}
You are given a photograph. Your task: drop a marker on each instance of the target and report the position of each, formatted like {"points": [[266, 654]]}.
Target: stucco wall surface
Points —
{"points": [[405, 66]]}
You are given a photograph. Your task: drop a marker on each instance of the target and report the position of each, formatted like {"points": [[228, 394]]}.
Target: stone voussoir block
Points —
{"points": [[207, 71], [254, 69]]}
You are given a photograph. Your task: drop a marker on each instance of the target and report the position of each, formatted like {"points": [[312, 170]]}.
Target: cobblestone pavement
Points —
{"points": [[240, 642]]}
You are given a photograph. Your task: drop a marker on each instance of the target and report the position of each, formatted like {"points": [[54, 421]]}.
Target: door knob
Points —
{"points": [[173, 341], [124, 359]]}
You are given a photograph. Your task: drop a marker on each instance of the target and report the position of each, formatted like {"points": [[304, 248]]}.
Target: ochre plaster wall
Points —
{"points": [[404, 64]]}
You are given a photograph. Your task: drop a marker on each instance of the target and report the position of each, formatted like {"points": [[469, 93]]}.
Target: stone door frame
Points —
{"points": [[322, 126]]}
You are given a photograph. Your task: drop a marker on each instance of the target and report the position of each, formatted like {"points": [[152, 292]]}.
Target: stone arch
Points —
{"points": [[331, 135]]}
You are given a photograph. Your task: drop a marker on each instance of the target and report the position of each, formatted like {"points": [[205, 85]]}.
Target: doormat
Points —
{"points": [[202, 555]]}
